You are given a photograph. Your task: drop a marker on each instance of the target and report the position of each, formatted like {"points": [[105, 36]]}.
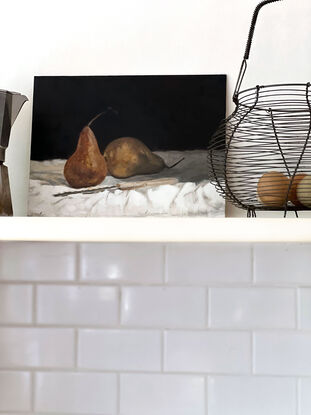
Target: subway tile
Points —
{"points": [[251, 395], [207, 352], [15, 391], [120, 350], [122, 262], [162, 395], [252, 308], [282, 353], [37, 261], [305, 309], [205, 263], [15, 304], [171, 307], [36, 347], [282, 263], [305, 396], [76, 393], [77, 305]]}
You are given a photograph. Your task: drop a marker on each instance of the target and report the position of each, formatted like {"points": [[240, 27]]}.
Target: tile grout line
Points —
{"points": [[194, 329], [183, 373], [208, 284]]}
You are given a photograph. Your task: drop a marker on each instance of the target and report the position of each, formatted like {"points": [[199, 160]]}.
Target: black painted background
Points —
{"points": [[166, 112]]}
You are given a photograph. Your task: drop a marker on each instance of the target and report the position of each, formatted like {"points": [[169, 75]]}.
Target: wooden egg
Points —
{"points": [[272, 189], [293, 190], [304, 191]]}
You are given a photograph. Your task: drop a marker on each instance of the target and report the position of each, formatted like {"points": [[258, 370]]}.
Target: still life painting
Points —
{"points": [[124, 145]]}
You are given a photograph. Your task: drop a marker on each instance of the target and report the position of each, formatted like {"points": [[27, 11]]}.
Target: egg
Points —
{"points": [[293, 190], [272, 189], [304, 191]]}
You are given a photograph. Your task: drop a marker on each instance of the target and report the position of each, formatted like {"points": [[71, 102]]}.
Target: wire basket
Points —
{"points": [[260, 157]]}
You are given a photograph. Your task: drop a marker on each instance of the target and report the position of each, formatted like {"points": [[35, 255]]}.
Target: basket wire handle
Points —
{"points": [[248, 47]]}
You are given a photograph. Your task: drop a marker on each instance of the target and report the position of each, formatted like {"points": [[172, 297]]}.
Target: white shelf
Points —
{"points": [[155, 229]]}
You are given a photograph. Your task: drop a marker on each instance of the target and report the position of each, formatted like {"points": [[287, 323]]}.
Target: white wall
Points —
{"points": [[73, 37], [150, 329]]}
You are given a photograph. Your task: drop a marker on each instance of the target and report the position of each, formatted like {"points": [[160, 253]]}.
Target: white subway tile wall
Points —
{"points": [[120, 350], [281, 353], [154, 329], [304, 310], [242, 308], [15, 304], [207, 352], [77, 305], [220, 263], [76, 393], [250, 395], [36, 347], [117, 263], [305, 396], [162, 394], [15, 391], [163, 307], [287, 264], [37, 261]]}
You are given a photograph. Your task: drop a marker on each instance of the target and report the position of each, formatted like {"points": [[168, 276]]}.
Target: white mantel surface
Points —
{"points": [[155, 229]]}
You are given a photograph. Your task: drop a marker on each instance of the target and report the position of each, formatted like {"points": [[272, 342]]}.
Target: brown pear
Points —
{"points": [[87, 166], [127, 156]]}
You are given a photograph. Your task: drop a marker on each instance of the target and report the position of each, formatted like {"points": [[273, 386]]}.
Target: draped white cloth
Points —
{"points": [[193, 194]]}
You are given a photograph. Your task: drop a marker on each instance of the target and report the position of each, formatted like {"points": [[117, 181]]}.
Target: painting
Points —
{"points": [[124, 145]]}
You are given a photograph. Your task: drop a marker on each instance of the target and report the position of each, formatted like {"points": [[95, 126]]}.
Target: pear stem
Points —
{"points": [[100, 114], [175, 164], [95, 118]]}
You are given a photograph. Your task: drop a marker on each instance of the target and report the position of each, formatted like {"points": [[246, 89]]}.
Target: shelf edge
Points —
{"points": [[155, 229]]}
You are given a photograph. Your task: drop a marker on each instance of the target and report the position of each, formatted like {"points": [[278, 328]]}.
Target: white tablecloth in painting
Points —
{"points": [[192, 195]]}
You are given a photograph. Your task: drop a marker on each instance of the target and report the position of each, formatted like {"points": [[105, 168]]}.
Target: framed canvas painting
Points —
{"points": [[124, 145]]}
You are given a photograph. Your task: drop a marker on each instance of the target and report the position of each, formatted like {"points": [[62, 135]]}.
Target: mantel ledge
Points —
{"points": [[153, 229]]}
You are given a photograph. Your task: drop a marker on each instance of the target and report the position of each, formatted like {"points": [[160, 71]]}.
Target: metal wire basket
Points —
{"points": [[260, 157]]}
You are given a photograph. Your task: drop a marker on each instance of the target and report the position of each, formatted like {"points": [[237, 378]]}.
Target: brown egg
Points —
{"points": [[293, 190], [272, 189], [304, 191]]}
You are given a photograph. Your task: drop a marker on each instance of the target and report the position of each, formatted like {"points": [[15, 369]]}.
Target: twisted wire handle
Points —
{"points": [[249, 45], [253, 25]]}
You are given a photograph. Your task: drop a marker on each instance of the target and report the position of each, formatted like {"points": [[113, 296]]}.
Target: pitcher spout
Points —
{"points": [[10, 106], [18, 100]]}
